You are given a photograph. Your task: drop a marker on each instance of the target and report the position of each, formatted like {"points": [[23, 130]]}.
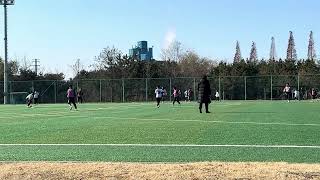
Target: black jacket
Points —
{"points": [[204, 91]]}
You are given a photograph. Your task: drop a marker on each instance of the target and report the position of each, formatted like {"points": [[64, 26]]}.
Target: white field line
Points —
{"points": [[221, 122], [57, 116], [173, 145]]}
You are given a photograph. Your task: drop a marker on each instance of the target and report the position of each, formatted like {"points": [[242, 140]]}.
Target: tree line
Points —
{"points": [[264, 78]]}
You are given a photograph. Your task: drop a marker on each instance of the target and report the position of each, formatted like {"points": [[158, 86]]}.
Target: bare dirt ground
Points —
{"points": [[214, 170]]}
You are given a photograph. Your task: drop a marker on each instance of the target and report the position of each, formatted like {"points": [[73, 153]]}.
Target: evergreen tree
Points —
{"points": [[311, 49], [237, 56], [273, 53], [253, 53], [291, 51]]}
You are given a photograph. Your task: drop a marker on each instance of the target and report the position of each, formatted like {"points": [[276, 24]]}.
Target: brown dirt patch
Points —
{"points": [[214, 170]]}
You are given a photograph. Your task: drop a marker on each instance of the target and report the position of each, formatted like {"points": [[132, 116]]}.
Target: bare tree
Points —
{"points": [[237, 56], [108, 57], [291, 51], [77, 67], [173, 53], [193, 65], [311, 49], [253, 53]]}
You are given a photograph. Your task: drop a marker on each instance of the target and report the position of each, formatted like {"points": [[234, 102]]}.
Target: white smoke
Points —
{"points": [[170, 37]]}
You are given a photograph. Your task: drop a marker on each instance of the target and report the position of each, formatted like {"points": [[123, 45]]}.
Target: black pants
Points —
{"points": [[158, 101], [287, 96], [206, 104], [80, 100], [35, 100], [29, 102], [176, 99], [71, 100]]}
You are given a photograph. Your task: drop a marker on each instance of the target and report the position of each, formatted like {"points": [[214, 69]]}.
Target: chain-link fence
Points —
{"points": [[141, 90]]}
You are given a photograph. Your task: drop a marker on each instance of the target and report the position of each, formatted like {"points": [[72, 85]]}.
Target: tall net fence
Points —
{"points": [[142, 90]]}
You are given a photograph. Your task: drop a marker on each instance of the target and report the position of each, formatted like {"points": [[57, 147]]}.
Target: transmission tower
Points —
{"points": [[273, 53], [311, 49]]}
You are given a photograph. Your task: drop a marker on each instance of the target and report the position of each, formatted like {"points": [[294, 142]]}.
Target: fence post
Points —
{"points": [[271, 87], [100, 92], [245, 88], [298, 82], [10, 91], [194, 89], [122, 90], [146, 89], [220, 88], [111, 91], [77, 84], [170, 89], [55, 92]]}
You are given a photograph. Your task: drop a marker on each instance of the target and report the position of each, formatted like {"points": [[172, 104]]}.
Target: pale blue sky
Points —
{"points": [[58, 34]]}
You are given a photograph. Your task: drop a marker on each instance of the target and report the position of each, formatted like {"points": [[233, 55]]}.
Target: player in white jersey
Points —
{"points": [[287, 91], [217, 95], [186, 95], [36, 97], [29, 99], [159, 93]]}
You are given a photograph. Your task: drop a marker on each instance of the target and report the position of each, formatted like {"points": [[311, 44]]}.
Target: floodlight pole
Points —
{"points": [[5, 66], [5, 75]]}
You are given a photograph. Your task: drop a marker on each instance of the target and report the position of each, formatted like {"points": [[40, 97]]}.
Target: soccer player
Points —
{"points": [[190, 94], [287, 91], [164, 94], [29, 99], [71, 97], [80, 96], [186, 95], [176, 95], [204, 93], [313, 94], [159, 93], [296, 95], [217, 95], [36, 97]]}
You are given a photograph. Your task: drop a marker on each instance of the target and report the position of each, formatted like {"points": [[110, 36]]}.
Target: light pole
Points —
{"points": [[5, 3]]}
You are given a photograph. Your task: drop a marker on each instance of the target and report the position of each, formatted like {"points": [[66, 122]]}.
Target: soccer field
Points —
{"points": [[236, 131]]}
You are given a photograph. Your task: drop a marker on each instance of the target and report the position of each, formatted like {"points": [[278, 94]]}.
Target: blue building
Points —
{"points": [[141, 51]]}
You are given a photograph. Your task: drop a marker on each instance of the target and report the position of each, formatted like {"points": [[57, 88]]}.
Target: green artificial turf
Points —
{"points": [[230, 123]]}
